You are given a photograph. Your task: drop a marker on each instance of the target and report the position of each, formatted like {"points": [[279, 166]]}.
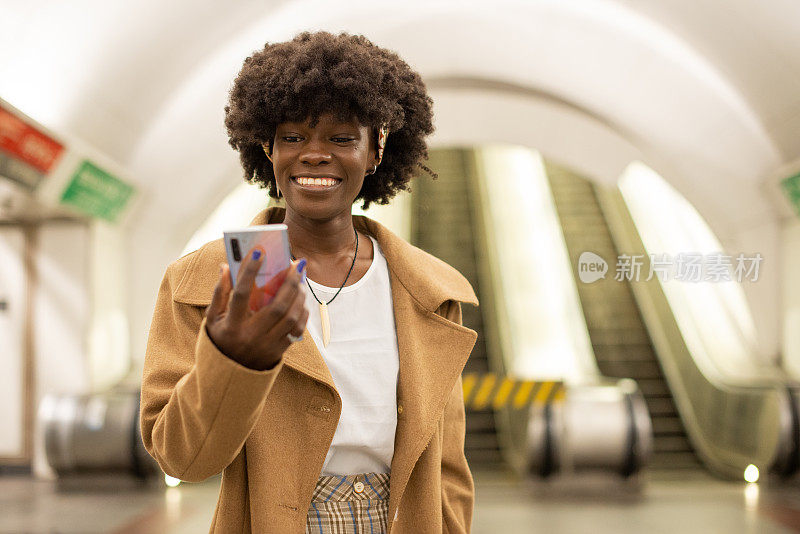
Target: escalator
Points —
{"points": [[618, 335], [735, 415], [699, 418], [442, 224], [448, 220]]}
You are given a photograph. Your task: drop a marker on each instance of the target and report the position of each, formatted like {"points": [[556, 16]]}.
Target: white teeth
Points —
{"points": [[316, 181]]}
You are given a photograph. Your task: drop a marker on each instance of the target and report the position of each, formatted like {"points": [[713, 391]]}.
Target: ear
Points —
{"points": [[373, 147], [372, 154]]}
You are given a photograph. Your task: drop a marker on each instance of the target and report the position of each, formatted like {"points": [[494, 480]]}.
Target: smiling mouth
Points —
{"points": [[316, 183]]}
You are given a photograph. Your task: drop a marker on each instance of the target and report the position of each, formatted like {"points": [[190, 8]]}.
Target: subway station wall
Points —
{"points": [[43, 328]]}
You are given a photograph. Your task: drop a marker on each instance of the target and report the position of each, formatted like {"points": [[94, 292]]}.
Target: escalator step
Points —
{"points": [[624, 353], [487, 457], [667, 426], [481, 441], [480, 422], [660, 406], [636, 370], [671, 444], [624, 336], [653, 387], [657, 395], [604, 318], [579, 221]]}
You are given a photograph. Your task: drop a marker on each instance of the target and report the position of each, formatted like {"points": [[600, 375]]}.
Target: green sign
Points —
{"points": [[96, 192], [791, 187]]}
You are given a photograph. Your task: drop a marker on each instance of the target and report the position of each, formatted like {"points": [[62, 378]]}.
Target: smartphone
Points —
{"points": [[273, 239]]}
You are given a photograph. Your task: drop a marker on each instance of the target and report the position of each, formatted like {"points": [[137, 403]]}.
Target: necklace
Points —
{"points": [[323, 306]]}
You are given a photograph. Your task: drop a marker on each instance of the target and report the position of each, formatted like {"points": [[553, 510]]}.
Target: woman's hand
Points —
{"points": [[255, 339]]}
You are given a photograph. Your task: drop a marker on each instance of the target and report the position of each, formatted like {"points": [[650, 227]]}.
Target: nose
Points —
{"points": [[315, 153]]}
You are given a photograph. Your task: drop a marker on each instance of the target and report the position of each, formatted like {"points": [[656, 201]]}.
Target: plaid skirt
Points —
{"points": [[352, 504]]}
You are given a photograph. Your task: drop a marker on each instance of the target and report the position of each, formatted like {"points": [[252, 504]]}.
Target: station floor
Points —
{"points": [[685, 502]]}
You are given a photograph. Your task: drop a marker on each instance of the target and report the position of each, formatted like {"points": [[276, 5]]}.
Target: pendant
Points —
{"points": [[326, 324]]}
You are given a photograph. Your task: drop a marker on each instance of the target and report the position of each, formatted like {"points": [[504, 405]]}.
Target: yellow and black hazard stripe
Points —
{"points": [[487, 390]]}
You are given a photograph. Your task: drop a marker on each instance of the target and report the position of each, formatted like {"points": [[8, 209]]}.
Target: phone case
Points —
{"points": [[274, 241]]}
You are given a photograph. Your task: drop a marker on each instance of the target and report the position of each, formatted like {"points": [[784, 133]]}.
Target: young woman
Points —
{"points": [[338, 406]]}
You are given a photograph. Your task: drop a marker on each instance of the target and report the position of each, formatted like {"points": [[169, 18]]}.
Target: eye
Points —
{"points": [[291, 138], [341, 139]]}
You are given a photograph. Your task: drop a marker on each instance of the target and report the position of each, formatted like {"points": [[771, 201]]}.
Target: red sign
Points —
{"points": [[27, 143]]}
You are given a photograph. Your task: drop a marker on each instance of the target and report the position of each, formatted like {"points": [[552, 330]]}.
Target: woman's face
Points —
{"points": [[338, 153]]}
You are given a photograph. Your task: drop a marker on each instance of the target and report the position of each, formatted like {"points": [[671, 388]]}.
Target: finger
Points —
{"points": [[268, 316], [283, 344], [240, 297], [300, 327], [291, 322], [219, 301]]}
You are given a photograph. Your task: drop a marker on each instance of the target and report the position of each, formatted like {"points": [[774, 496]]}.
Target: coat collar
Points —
{"points": [[433, 350]]}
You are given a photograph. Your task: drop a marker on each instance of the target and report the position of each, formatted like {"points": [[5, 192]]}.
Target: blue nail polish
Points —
{"points": [[256, 254], [300, 265]]}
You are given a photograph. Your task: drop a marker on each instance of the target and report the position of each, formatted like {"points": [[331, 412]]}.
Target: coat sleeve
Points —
{"points": [[458, 489], [197, 405]]}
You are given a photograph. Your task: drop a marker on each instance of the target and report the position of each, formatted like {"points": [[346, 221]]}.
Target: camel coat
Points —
{"points": [[268, 431]]}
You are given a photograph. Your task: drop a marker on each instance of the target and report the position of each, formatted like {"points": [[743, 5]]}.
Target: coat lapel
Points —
{"points": [[432, 349], [433, 352]]}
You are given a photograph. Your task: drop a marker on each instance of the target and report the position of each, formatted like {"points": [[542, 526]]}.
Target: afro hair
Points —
{"points": [[346, 75]]}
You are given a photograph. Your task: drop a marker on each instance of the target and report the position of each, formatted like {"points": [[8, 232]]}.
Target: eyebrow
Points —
{"points": [[336, 128]]}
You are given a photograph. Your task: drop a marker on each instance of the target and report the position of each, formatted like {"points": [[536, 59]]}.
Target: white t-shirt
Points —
{"points": [[363, 360]]}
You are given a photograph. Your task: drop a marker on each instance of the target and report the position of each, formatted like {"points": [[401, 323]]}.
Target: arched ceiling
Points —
{"points": [[755, 46], [706, 92], [717, 81]]}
